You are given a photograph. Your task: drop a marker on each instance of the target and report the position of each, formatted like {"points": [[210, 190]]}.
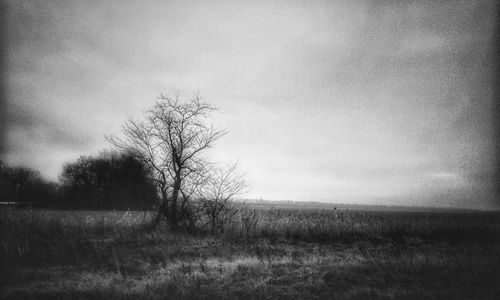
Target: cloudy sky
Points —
{"points": [[385, 102]]}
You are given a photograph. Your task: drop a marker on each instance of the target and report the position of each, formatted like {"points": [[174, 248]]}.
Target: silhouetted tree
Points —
{"points": [[171, 140]]}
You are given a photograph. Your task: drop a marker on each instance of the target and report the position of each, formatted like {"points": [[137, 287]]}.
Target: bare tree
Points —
{"points": [[171, 140], [217, 194]]}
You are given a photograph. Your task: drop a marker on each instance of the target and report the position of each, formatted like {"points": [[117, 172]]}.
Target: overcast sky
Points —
{"points": [[385, 102]]}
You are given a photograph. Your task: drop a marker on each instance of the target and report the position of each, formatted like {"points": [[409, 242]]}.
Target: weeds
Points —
{"points": [[348, 227], [261, 254]]}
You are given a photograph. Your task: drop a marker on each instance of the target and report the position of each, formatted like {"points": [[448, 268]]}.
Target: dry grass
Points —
{"points": [[265, 254]]}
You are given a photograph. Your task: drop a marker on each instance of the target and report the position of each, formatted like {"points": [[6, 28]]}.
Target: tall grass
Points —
{"points": [[262, 253], [28, 233], [333, 226]]}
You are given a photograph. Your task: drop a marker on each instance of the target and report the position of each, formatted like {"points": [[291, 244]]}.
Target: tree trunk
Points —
{"points": [[162, 210], [174, 216]]}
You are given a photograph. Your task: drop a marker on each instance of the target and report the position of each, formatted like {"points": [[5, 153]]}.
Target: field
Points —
{"points": [[266, 253]]}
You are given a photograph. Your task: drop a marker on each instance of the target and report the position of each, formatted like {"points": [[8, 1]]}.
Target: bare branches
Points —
{"points": [[170, 140], [220, 188]]}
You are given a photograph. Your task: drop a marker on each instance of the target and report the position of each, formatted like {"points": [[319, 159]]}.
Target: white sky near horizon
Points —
{"points": [[378, 102]]}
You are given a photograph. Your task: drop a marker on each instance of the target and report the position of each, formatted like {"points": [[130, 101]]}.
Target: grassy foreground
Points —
{"points": [[263, 254]]}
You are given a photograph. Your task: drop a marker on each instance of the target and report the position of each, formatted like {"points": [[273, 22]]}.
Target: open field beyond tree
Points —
{"points": [[262, 254]]}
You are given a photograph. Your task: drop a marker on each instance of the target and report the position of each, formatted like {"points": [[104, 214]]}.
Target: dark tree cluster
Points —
{"points": [[26, 187], [111, 180]]}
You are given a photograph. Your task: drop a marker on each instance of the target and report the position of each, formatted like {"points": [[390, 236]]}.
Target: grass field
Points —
{"points": [[264, 254]]}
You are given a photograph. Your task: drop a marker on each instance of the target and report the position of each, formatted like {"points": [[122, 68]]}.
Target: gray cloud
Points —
{"points": [[349, 100], [56, 133]]}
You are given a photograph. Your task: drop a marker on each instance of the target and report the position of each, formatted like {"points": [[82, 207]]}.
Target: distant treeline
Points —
{"points": [[112, 180]]}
